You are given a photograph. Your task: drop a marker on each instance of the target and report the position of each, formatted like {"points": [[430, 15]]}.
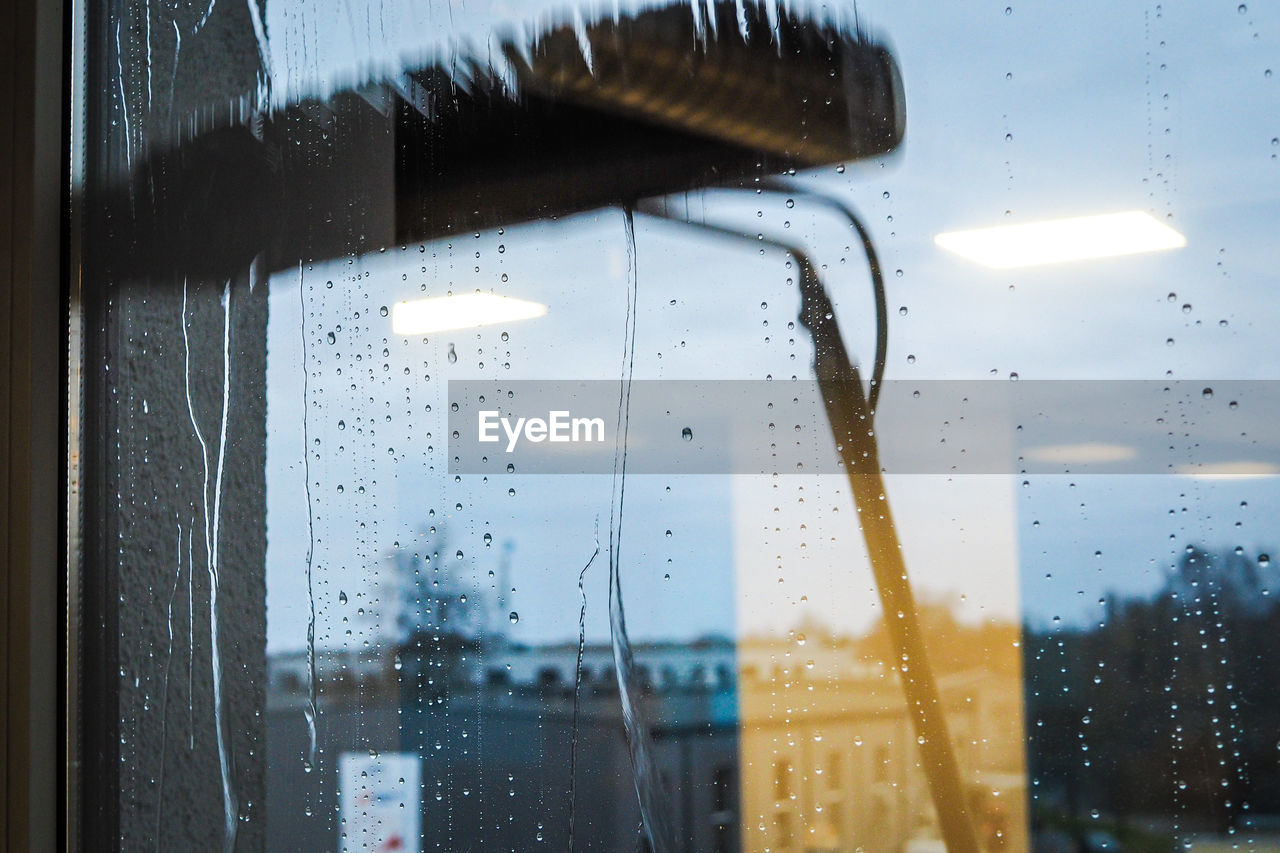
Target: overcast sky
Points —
{"points": [[1038, 111]]}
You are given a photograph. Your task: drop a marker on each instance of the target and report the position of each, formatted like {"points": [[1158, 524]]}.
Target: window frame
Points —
{"points": [[33, 420]]}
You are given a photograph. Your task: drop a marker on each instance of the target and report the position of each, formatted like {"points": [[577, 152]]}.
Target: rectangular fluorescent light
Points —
{"points": [[1081, 454], [1055, 241], [1242, 469], [463, 311]]}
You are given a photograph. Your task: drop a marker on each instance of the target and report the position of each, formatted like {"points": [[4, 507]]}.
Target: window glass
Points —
{"points": [[898, 462]]}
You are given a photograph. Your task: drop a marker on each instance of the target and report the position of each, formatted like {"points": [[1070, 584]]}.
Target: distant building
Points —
{"points": [[829, 758], [495, 732], [757, 748]]}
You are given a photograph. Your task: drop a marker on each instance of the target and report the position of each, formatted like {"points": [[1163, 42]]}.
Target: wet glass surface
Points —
{"points": [[893, 536]]}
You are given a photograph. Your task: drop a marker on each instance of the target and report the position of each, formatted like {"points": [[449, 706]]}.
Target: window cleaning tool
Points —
{"points": [[671, 100], [851, 417], [633, 107]]}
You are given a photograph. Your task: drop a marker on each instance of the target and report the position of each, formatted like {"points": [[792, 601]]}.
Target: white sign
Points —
{"points": [[381, 802]]}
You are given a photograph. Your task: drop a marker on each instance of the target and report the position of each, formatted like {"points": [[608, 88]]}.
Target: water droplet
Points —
{"points": [[1207, 393], [453, 355], [686, 434], [342, 597], [902, 311], [1242, 9], [1264, 560], [331, 337], [384, 311], [514, 617]]}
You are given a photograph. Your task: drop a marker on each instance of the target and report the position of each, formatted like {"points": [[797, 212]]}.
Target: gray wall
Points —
{"points": [[149, 745], [170, 770]]}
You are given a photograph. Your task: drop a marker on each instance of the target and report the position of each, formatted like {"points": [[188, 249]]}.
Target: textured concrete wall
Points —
{"points": [[167, 533], [176, 538]]}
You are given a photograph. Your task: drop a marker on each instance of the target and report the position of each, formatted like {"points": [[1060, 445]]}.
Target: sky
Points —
{"points": [[1015, 113]]}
